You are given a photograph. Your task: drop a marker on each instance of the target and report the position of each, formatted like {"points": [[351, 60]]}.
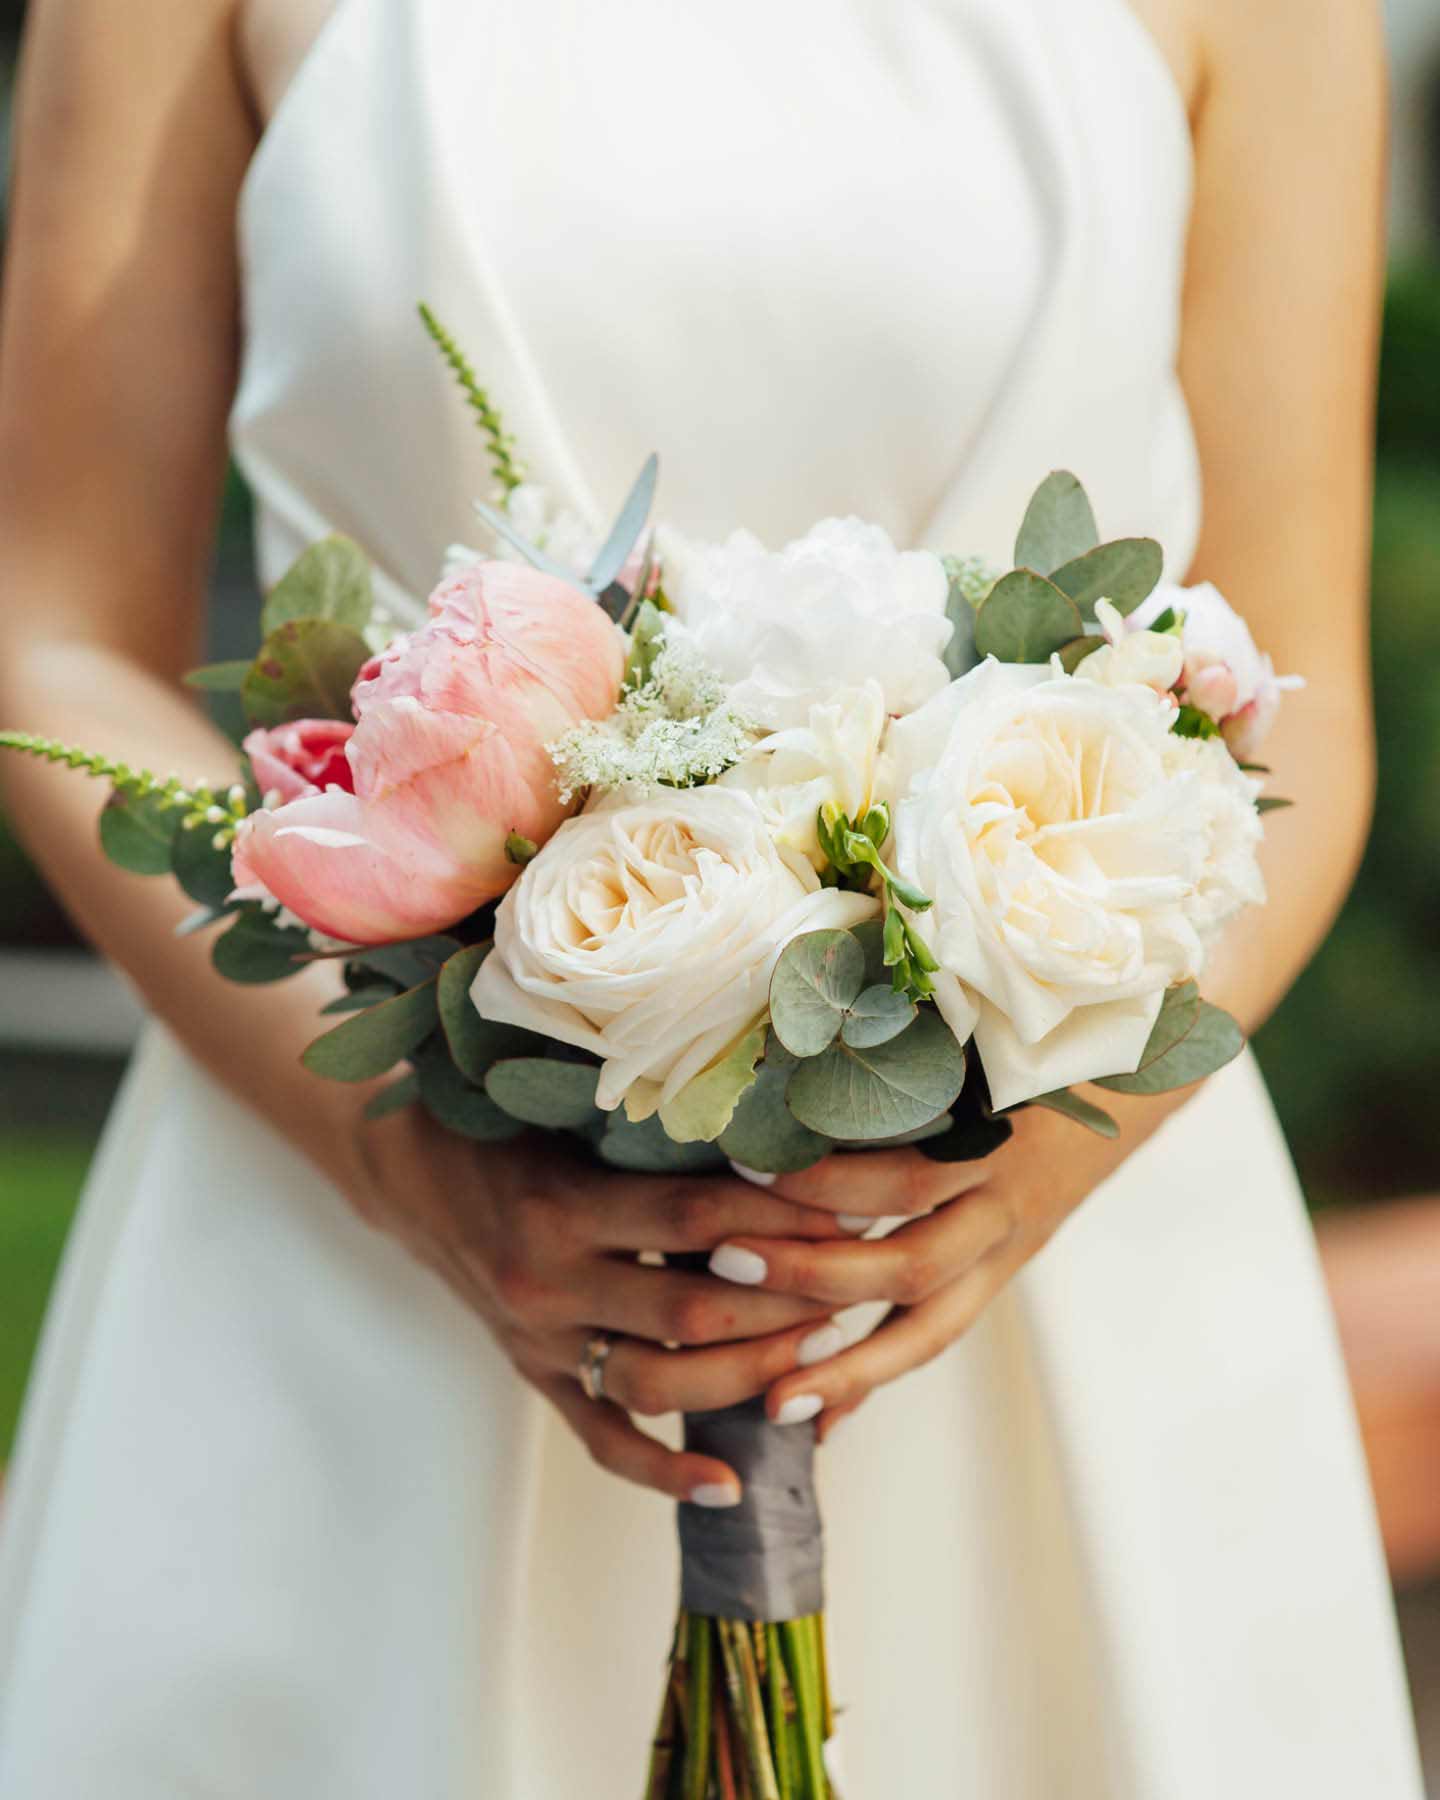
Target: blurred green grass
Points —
{"points": [[44, 1172]]}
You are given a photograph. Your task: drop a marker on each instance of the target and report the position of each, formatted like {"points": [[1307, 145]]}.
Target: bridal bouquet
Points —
{"points": [[699, 852]]}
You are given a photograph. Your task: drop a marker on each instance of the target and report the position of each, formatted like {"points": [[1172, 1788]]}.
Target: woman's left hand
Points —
{"points": [[970, 1227]]}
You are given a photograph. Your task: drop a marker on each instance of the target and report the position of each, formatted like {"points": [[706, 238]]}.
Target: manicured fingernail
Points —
{"points": [[731, 1263], [853, 1222], [798, 1410], [714, 1495], [824, 1342], [758, 1176]]}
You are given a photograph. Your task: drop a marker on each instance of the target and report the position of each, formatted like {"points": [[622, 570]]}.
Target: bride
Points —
{"points": [[303, 1504]]}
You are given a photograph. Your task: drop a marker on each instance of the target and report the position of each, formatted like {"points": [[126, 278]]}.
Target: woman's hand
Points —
{"points": [[543, 1245], [969, 1228]]}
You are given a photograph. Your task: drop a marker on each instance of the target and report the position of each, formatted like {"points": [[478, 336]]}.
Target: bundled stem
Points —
{"points": [[746, 1713]]}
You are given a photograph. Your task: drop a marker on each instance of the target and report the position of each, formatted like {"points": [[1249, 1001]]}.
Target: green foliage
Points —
{"points": [[256, 950], [375, 1040], [330, 580], [200, 865], [508, 471], [1212, 1040], [764, 1133], [220, 677], [960, 653], [896, 1087], [648, 1150], [816, 979], [401, 1093], [457, 1104], [136, 831], [1026, 619], [1124, 572], [1059, 526], [1093, 1118], [702, 1109], [305, 670], [541, 1090]]}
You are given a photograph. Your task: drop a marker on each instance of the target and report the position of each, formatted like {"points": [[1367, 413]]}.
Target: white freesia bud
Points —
{"points": [[838, 608], [830, 760], [647, 932], [1150, 659], [1079, 855]]}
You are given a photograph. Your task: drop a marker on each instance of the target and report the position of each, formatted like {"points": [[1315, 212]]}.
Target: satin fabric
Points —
{"points": [[282, 1520]]}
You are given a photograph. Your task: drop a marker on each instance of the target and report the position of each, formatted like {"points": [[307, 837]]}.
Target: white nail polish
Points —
{"points": [[798, 1410], [757, 1176], [714, 1495], [823, 1343], [731, 1263], [854, 1223]]}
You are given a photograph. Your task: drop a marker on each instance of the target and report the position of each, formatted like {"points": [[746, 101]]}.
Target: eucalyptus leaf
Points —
{"points": [[702, 1109], [255, 949], [877, 1015], [476, 1043], [764, 1134], [357, 1000], [647, 1149], [1271, 803], [1026, 619], [1124, 572], [305, 670], [1178, 1014], [458, 1104], [960, 654], [540, 1090], [136, 833], [219, 677], [861, 1095], [407, 964], [870, 935], [330, 580], [1059, 525], [375, 1040], [647, 638], [1074, 653], [816, 978], [625, 532], [1211, 1042], [401, 1093], [1093, 1118], [202, 870]]}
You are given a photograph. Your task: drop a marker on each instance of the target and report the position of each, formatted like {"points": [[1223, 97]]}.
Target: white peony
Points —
{"points": [[1225, 675], [787, 628], [830, 760], [1222, 802], [647, 932], [1078, 855]]}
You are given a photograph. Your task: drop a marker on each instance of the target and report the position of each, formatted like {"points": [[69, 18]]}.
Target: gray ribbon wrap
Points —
{"points": [[763, 1559]]}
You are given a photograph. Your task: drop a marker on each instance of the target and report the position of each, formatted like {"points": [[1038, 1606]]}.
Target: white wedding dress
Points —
{"points": [[282, 1521]]}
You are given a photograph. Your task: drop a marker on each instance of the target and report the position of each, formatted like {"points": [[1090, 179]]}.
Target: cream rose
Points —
{"points": [[647, 932], [787, 628], [1078, 855], [830, 760]]}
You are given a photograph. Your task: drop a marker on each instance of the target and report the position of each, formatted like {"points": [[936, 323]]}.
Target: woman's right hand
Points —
{"points": [[544, 1246]]}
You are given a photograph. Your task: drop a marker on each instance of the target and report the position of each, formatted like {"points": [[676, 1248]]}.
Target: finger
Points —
{"points": [[623, 1449], [905, 1268], [907, 1340], [877, 1184], [695, 1213], [672, 1307], [648, 1379]]}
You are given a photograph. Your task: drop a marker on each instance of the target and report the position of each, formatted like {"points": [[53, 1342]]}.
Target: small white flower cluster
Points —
{"points": [[677, 728]]}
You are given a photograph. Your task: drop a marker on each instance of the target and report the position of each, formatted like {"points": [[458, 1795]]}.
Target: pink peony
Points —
{"points": [[299, 759], [448, 760]]}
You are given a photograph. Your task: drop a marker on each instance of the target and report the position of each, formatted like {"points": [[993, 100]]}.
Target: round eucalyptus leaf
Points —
{"points": [[201, 869], [330, 580], [137, 833], [256, 950], [1074, 653], [1124, 572], [646, 1149], [401, 1093], [1178, 1015], [368, 1043], [456, 1103], [815, 980], [764, 1134], [476, 1043], [1093, 1118], [862, 1095], [305, 670], [1059, 525], [1211, 1042], [541, 1090], [1026, 619], [877, 1015]]}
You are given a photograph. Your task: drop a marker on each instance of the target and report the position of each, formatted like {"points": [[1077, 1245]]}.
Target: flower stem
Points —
{"points": [[200, 803], [700, 1710]]}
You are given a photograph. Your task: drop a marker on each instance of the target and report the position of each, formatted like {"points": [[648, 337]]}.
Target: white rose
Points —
{"points": [[1066, 837], [647, 932], [1225, 675], [830, 760], [1222, 803], [787, 628], [1152, 659]]}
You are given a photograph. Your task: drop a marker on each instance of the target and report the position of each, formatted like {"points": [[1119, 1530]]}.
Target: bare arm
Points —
{"points": [[1278, 359]]}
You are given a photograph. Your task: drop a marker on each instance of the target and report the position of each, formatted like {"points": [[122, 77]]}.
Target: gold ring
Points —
{"points": [[592, 1365]]}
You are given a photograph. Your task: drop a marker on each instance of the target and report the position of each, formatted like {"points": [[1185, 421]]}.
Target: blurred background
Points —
{"points": [[1355, 1081]]}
